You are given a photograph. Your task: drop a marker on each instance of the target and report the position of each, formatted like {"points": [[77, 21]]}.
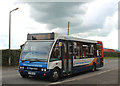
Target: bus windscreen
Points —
{"points": [[36, 51]]}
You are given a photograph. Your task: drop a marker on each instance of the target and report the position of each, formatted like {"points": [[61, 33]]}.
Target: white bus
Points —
{"points": [[53, 55]]}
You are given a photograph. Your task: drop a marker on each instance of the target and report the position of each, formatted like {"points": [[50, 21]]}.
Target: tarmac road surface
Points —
{"points": [[105, 75]]}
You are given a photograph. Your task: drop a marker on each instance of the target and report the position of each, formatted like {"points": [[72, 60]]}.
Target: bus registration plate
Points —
{"points": [[31, 73]]}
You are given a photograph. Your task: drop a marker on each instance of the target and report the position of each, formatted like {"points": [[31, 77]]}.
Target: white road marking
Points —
{"points": [[107, 71], [83, 77]]}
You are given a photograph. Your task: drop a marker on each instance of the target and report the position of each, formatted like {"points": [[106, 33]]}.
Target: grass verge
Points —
{"points": [[111, 57]]}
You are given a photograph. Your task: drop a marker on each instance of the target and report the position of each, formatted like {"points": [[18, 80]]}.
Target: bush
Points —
{"points": [[14, 54], [111, 54]]}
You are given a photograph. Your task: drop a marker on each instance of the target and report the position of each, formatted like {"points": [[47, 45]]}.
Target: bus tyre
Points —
{"points": [[93, 67], [55, 75]]}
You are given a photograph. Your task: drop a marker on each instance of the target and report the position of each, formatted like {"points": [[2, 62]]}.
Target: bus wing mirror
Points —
{"points": [[21, 46]]}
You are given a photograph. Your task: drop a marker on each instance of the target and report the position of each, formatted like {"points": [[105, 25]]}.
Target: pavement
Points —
{"points": [[107, 75]]}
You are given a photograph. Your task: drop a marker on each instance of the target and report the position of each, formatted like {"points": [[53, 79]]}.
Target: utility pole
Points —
{"points": [[9, 60], [68, 28]]}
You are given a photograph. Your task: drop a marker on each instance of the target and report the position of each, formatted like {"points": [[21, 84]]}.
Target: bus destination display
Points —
{"points": [[41, 36]]}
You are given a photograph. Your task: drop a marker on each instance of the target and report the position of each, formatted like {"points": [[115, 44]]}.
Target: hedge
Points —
{"points": [[15, 54], [111, 54]]}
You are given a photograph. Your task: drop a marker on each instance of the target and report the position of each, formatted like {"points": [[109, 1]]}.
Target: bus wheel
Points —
{"points": [[55, 75], [93, 67]]}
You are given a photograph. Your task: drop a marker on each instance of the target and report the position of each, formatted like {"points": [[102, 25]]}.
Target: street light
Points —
{"points": [[10, 27], [10, 32], [68, 28]]}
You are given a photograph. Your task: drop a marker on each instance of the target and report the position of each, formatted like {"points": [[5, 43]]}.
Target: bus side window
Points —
{"points": [[78, 54], [100, 53], [70, 49], [75, 50], [99, 50], [55, 53], [64, 50], [80, 46], [85, 51], [92, 49]]}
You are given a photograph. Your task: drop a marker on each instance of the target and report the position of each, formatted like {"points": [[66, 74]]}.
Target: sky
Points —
{"points": [[91, 19]]}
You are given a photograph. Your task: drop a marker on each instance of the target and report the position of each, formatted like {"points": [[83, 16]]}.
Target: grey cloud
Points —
{"points": [[57, 14]]}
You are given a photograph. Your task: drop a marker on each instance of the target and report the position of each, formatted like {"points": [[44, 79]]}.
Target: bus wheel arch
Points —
{"points": [[55, 74], [93, 67]]}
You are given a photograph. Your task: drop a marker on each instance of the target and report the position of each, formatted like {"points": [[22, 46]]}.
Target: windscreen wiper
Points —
{"points": [[26, 60], [41, 60]]}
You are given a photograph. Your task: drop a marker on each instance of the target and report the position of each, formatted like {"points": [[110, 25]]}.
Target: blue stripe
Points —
{"points": [[33, 64], [81, 68]]}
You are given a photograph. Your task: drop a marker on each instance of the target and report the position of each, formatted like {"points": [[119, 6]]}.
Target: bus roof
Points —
{"points": [[55, 36]]}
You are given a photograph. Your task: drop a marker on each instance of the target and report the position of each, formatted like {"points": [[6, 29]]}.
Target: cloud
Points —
{"points": [[56, 15], [84, 17], [21, 25], [111, 23], [111, 41], [93, 19]]}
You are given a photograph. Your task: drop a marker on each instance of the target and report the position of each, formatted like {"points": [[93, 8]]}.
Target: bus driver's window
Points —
{"points": [[55, 52]]}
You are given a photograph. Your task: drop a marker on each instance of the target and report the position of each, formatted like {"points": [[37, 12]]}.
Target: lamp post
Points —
{"points": [[10, 34], [68, 28]]}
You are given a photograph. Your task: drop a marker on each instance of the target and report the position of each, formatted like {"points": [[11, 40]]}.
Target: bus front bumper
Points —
{"points": [[35, 73]]}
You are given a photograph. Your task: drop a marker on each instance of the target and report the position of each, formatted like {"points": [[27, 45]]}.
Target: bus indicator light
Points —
{"points": [[44, 74]]}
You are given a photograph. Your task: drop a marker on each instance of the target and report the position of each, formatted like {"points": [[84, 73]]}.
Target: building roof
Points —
{"points": [[108, 50]]}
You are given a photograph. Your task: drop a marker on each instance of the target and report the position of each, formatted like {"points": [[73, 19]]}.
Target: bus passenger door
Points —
{"points": [[70, 56], [66, 58]]}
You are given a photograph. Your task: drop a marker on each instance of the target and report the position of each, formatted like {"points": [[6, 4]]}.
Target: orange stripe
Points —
{"points": [[94, 60]]}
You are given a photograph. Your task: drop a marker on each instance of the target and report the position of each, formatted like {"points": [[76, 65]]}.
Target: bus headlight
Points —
{"points": [[21, 67], [45, 69], [41, 69]]}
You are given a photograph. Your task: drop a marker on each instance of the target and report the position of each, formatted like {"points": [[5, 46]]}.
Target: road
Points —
{"points": [[105, 75]]}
